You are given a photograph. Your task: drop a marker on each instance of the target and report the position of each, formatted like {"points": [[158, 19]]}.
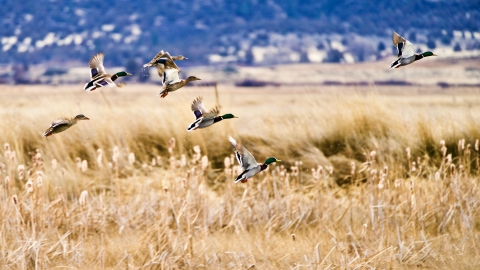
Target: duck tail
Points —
{"points": [[194, 125], [241, 177], [49, 132], [396, 63]]}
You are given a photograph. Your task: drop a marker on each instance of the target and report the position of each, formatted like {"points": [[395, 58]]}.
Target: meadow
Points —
{"points": [[371, 177]]}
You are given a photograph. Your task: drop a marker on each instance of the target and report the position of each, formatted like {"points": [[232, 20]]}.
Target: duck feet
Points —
{"points": [[163, 95]]}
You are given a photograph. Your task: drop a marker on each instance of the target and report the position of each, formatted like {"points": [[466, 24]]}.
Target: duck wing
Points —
{"points": [[154, 59], [60, 122], [198, 108], [96, 66], [160, 70], [244, 158], [170, 76], [404, 47], [212, 113], [105, 82]]}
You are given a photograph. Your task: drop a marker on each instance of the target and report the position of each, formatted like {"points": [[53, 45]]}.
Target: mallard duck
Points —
{"points": [[159, 61], [171, 80], [248, 162], [405, 52], [206, 118], [63, 124], [99, 77]]}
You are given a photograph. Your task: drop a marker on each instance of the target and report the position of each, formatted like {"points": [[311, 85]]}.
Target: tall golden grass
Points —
{"points": [[147, 201]]}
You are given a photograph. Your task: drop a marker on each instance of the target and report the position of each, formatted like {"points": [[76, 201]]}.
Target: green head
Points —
{"points": [[429, 53], [123, 73], [228, 116], [271, 160]]}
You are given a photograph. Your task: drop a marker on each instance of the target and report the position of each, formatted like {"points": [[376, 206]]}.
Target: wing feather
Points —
{"points": [[212, 113], [404, 47], [244, 158], [170, 76], [198, 108], [96, 65]]}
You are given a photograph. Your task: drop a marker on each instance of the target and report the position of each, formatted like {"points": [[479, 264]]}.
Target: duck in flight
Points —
{"points": [[63, 124], [159, 61], [99, 78], [171, 79], [206, 118], [406, 56], [247, 161]]}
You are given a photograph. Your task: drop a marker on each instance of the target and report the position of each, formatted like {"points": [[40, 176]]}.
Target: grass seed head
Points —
{"points": [[183, 161], [15, 199], [116, 154], [84, 166], [54, 164], [83, 197], [39, 181], [99, 157], [131, 159], [204, 163], [29, 186]]}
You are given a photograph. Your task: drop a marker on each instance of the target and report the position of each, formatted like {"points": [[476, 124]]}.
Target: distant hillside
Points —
{"points": [[208, 31]]}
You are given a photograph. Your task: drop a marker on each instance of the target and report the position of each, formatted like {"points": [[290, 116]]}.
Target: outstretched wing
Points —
{"points": [[212, 113], [104, 82], [152, 62], [96, 65], [59, 122], [404, 47], [170, 76], [244, 158], [198, 108], [160, 70]]}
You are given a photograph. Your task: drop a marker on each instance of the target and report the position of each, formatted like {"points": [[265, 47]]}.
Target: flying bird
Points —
{"points": [[171, 80], [159, 61], [247, 161], [63, 124], [206, 118], [99, 78], [406, 56]]}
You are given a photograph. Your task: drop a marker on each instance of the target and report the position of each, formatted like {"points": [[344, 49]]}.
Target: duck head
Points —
{"points": [[123, 74], [193, 78], [228, 116], [81, 117], [271, 160], [180, 57], [428, 53]]}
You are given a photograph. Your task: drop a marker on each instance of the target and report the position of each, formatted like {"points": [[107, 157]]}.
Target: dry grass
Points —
{"points": [[178, 208]]}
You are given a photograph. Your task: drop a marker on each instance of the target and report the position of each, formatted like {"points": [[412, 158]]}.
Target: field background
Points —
{"points": [[364, 182]]}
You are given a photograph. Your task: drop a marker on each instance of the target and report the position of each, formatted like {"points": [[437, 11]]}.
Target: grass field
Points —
{"points": [[372, 177]]}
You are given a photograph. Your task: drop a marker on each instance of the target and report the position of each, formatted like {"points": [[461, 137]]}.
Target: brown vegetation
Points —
{"points": [[408, 164]]}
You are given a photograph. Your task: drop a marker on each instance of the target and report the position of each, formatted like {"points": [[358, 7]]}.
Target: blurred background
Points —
{"points": [[52, 41]]}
